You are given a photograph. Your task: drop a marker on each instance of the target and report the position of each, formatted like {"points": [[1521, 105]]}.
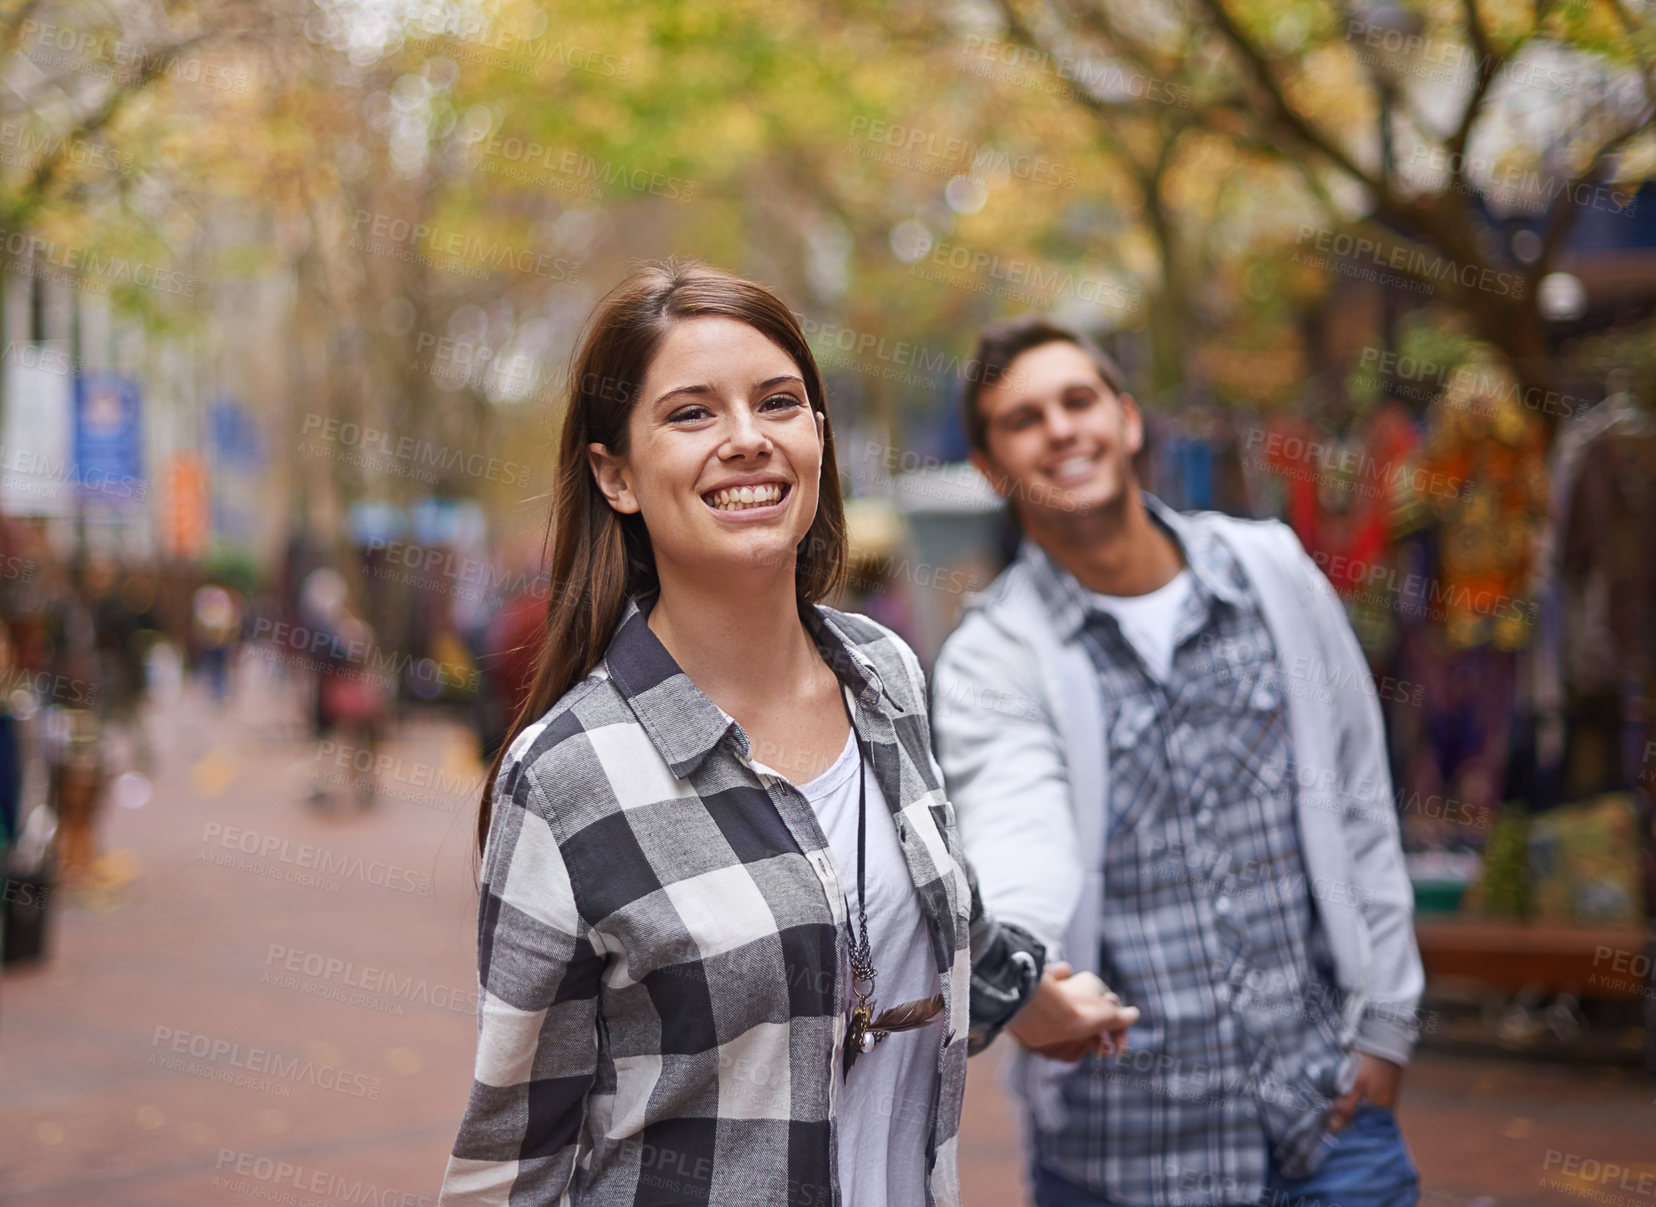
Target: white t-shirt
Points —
{"points": [[1148, 621], [884, 1106]]}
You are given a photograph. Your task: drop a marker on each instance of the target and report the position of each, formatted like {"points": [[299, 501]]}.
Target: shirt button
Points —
{"points": [[1204, 817], [1221, 905]]}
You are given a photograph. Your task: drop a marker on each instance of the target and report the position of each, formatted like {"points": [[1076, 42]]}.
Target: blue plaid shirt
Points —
{"points": [[1208, 917]]}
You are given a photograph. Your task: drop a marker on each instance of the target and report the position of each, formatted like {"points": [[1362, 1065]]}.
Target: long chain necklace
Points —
{"points": [[863, 1028]]}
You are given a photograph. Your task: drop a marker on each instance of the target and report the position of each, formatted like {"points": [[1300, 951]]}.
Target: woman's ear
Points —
{"points": [[822, 444], [613, 478]]}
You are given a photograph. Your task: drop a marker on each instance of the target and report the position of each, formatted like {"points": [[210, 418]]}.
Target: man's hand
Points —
{"points": [[1070, 1016], [1377, 1081]]}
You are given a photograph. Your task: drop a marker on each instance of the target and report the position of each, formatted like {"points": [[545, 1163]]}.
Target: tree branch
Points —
{"points": [[36, 192], [1565, 210], [1298, 125]]}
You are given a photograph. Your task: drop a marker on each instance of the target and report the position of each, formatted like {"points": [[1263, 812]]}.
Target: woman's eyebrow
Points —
{"points": [[701, 388]]}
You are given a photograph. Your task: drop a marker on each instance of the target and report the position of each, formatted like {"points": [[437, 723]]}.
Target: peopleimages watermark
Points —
{"points": [[949, 155], [1421, 595], [49, 688], [228, 1060], [1447, 61], [1419, 267], [47, 259], [427, 785], [25, 471], [1481, 386], [319, 433], [480, 33], [1038, 70], [275, 853], [453, 363], [1346, 465], [1021, 280], [1625, 971], [531, 162], [402, 239], [319, 649], [440, 569], [688, 1176], [345, 981], [60, 47], [1195, 1081], [1524, 189], [903, 361], [283, 1182], [22, 894], [21, 145], [1635, 1179]]}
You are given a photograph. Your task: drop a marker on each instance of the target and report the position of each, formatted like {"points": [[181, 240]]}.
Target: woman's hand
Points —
{"points": [[1071, 1015]]}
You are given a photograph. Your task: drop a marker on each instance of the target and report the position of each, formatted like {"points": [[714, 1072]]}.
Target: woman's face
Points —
{"points": [[725, 453]]}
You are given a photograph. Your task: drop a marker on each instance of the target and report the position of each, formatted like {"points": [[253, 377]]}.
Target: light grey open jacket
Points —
{"points": [[1019, 719]]}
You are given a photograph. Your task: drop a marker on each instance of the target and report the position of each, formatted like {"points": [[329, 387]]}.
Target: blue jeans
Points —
{"points": [[1368, 1166]]}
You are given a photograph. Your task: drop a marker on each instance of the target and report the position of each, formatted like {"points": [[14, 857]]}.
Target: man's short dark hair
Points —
{"points": [[1001, 343]]}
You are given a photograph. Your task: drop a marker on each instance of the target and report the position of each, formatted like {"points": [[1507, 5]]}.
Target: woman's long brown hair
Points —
{"points": [[601, 557]]}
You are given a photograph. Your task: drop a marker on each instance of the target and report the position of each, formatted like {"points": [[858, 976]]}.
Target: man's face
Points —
{"points": [[1060, 441]]}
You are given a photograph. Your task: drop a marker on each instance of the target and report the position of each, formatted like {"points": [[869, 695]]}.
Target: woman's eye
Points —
{"points": [[785, 400], [688, 414]]}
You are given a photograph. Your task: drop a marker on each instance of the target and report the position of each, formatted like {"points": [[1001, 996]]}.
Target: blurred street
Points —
{"points": [[317, 318], [347, 1013]]}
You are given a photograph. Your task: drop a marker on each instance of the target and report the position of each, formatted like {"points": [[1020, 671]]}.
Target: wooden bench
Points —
{"points": [[1514, 955]]}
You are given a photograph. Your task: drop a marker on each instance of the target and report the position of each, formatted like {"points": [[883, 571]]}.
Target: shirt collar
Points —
{"points": [[680, 720], [1069, 603]]}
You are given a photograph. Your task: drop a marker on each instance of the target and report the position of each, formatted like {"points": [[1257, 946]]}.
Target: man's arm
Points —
{"points": [[1389, 1024], [1005, 775]]}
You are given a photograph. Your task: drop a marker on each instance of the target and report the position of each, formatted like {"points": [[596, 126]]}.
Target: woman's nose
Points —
{"points": [[743, 435]]}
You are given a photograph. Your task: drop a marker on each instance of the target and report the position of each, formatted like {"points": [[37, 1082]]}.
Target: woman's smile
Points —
{"points": [[748, 499]]}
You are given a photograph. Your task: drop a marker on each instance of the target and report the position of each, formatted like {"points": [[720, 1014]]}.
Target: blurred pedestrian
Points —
{"points": [[126, 630], [349, 701], [71, 735], [216, 626], [1168, 760], [679, 942]]}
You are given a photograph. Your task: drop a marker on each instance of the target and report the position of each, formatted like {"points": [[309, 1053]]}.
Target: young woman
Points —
{"points": [[729, 952]]}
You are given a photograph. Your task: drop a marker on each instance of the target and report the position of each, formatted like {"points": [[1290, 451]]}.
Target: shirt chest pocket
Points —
{"points": [[1244, 718]]}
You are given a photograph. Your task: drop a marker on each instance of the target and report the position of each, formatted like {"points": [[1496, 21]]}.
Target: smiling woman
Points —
{"points": [[676, 979]]}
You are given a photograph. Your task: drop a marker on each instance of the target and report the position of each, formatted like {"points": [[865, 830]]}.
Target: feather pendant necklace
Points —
{"points": [[864, 1029]]}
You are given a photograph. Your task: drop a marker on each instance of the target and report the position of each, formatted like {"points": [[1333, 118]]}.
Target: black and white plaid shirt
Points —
{"points": [[661, 933]]}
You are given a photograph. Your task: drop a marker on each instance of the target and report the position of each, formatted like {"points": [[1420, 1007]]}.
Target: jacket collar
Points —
{"points": [[1066, 600], [680, 720]]}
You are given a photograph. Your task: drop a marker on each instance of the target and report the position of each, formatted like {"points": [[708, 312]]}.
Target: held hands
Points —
{"points": [[1071, 1015]]}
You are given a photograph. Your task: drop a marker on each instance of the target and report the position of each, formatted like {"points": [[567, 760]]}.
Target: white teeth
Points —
{"points": [[736, 498], [1073, 467]]}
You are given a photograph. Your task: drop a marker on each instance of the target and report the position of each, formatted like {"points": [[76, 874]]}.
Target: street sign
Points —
{"points": [[36, 452], [185, 506], [109, 447]]}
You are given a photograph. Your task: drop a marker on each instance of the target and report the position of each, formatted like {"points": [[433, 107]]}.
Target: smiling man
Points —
{"points": [[1167, 760]]}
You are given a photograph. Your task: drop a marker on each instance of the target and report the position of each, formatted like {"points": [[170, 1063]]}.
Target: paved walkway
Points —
{"points": [[268, 1004]]}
